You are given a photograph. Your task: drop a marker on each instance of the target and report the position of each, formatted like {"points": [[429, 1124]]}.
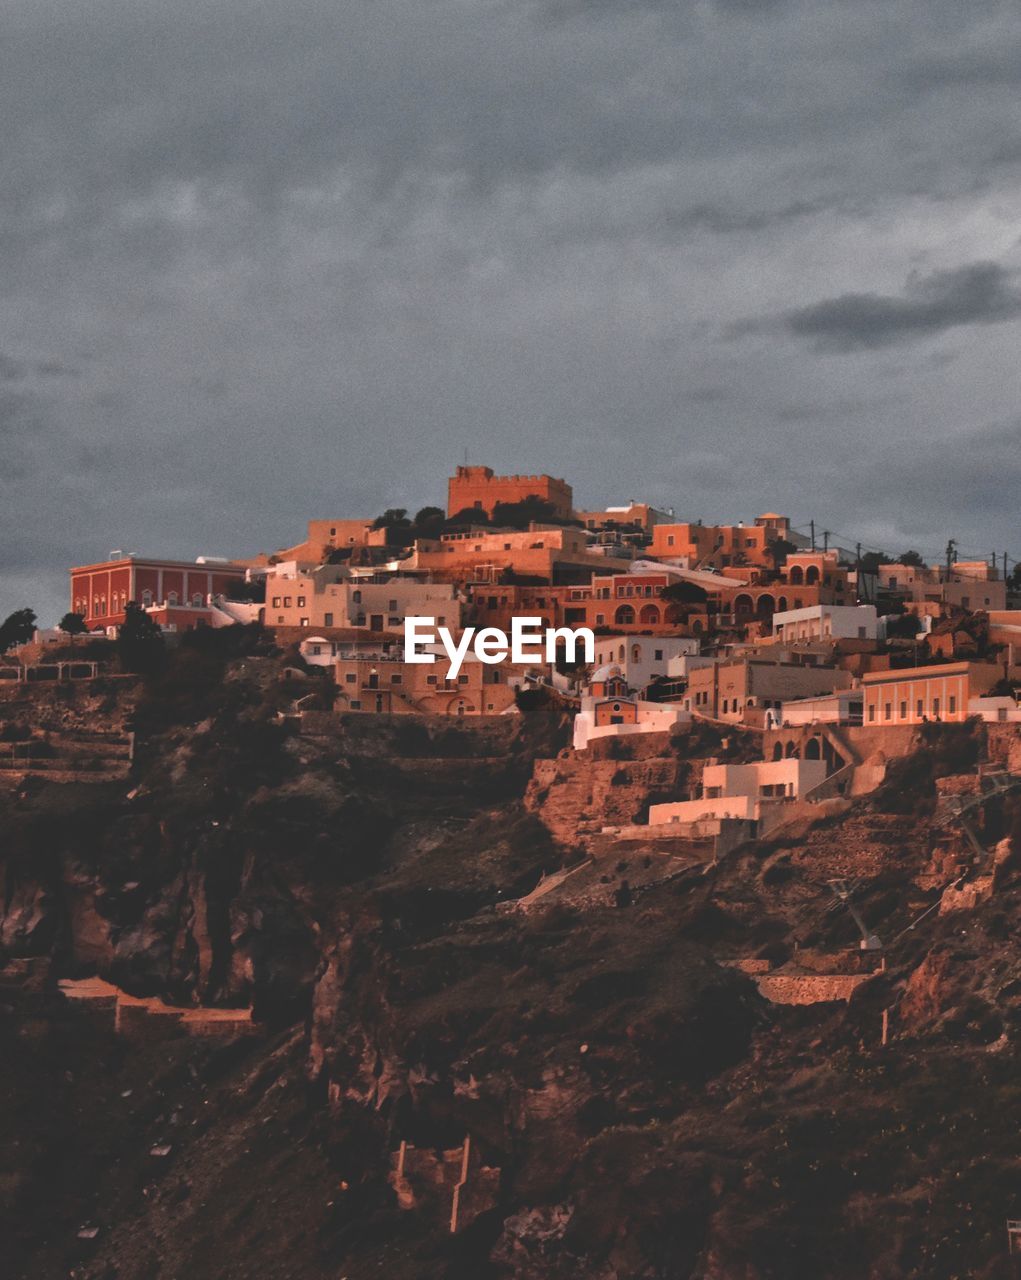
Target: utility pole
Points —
{"points": [[858, 575], [825, 540], [811, 525], [951, 556], [1005, 566]]}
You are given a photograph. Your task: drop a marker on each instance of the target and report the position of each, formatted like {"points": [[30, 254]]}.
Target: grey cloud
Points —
{"points": [[979, 293], [268, 260]]}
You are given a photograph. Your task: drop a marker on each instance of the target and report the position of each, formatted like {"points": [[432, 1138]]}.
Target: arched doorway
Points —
{"points": [[650, 614], [813, 749]]}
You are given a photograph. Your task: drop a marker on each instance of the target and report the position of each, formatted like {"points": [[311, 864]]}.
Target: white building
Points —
{"points": [[642, 658], [826, 622], [1004, 710], [844, 706], [739, 790], [617, 717]]}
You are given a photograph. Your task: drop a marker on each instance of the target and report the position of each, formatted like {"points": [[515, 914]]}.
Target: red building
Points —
{"points": [[477, 488], [99, 592]]}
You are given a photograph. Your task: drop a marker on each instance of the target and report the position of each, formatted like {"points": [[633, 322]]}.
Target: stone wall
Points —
{"points": [[808, 988]]}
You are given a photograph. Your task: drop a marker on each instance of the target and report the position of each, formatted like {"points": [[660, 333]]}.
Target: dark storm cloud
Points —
{"points": [[977, 294], [265, 261]]}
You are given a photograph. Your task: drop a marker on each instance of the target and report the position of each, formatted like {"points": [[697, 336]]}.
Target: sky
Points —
{"points": [[267, 260]]}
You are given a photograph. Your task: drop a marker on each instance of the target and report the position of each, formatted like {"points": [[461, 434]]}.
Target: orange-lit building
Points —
{"points": [[917, 694], [99, 592], [385, 684], [477, 488], [545, 553], [719, 546], [637, 516]]}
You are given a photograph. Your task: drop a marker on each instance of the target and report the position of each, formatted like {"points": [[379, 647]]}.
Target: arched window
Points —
{"points": [[625, 616], [777, 750], [765, 605], [146, 599], [172, 597], [636, 653], [796, 575], [743, 604], [813, 749], [650, 614], [196, 599], [811, 575]]}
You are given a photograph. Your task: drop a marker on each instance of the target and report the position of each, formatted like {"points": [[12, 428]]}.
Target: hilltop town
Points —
{"points": [[832, 656], [697, 960]]}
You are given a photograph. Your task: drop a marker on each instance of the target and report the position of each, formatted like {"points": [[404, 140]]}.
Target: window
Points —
{"points": [[316, 650], [276, 602], [303, 622], [462, 679], [146, 599], [280, 619], [670, 539], [935, 708], [356, 597], [600, 619], [287, 602], [172, 597], [356, 704], [659, 655], [430, 679], [350, 678], [951, 705], [904, 710], [327, 619], [872, 711], [920, 708], [397, 679], [196, 599], [301, 602], [333, 533], [392, 606]]}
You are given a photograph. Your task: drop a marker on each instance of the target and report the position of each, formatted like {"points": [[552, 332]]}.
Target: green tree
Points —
{"points": [[140, 646], [468, 516], [912, 558], [684, 592], [17, 628], [778, 551], [429, 522], [871, 561], [72, 624]]}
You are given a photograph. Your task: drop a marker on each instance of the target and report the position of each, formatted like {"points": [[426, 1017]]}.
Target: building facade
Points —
{"points": [[916, 695], [479, 489], [100, 592]]}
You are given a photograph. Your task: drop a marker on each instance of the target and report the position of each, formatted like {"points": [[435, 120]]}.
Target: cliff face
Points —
{"points": [[578, 1090]]}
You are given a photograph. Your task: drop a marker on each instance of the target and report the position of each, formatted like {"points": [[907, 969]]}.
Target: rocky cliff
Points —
{"points": [[442, 1084]]}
